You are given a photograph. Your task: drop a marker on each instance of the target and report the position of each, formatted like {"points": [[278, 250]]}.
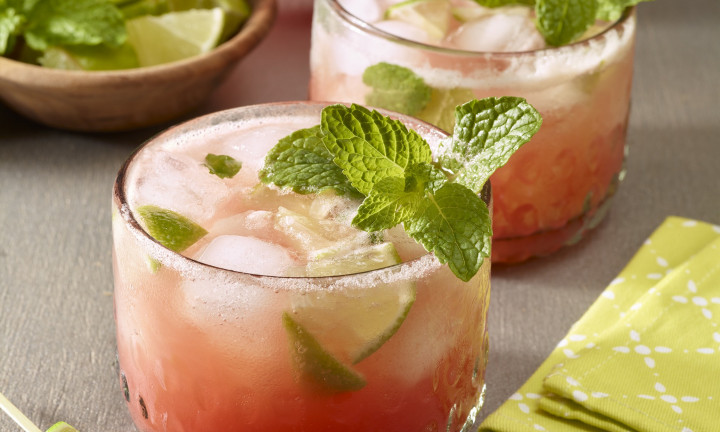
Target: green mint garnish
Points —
{"points": [[612, 10], [368, 146], [454, 224], [11, 22], [222, 166], [487, 132], [74, 22], [562, 21], [393, 168], [394, 200], [302, 162], [396, 88]]}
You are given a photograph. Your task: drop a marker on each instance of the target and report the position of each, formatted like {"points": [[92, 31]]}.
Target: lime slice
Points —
{"points": [[90, 58], [175, 35], [440, 111], [173, 230], [433, 16], [236, 11], [315, 364], [354, 323], [61, 427], [343, 258]]}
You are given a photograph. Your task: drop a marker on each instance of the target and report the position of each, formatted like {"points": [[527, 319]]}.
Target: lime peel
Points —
{"points": [[355, 323], [173, 230], [316, 364]]}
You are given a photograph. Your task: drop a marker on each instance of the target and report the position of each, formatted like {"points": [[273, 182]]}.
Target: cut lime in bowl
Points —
{"points": [[126, 99]]}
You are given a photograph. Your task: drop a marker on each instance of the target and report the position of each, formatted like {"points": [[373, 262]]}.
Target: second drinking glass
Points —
{"points": [[556, 187]]}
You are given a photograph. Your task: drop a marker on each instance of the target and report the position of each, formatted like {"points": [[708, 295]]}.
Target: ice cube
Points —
{"points": [[351, 53], [368, 11], [511, 31], [181, 183], [247, 254], [404, 30], [254, 223]]}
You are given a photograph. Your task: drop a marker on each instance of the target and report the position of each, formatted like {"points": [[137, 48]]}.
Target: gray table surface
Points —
{"points": [[57, 343]]}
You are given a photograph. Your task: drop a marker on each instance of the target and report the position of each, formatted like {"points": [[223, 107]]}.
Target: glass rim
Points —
{"points": [[366, 27], [131, 222]]}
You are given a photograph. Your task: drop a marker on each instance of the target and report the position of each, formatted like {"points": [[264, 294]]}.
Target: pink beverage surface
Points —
{"points": [[559, 184], [202, 349]]}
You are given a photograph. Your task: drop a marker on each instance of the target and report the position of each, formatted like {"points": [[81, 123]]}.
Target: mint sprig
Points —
{"points": [[368, 146], [564, 21], [302, 162], [487, 132], [74, 22], [11, 22], [393, 168]]}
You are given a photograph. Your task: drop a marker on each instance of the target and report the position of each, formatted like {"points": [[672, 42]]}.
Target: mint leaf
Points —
{"points": [[11, 22], [562, 21], [454, 224], [369, 146], [74, 22], [387, 205], [612, 10], [396, 88], [222, 166], [394, 200], [302, 162], [487, 132]]}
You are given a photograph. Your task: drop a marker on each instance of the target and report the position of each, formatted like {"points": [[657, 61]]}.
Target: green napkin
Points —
{"points": [[645, 356]]}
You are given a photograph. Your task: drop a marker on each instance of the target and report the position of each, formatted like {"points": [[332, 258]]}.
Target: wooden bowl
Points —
{"points": [[93, 101]]}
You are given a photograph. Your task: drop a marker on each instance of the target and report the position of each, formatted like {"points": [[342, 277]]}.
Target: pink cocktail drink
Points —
{"points": [[280, 315], [559, 185]]}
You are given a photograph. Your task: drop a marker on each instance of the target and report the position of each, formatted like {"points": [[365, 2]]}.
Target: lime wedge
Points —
{"points": [[354, 323], [317, 365], [440, 111], [236, 11], [173, 230], [176, 35], [348, 258], [61, 427], [90, 58], [433, 16]]}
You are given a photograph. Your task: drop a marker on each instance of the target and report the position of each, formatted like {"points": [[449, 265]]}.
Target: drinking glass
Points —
{"points": [[559, 185], [206, 348]]}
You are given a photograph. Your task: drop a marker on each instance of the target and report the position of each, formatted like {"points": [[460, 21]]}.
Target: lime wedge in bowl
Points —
{"points": [[175, 35]]}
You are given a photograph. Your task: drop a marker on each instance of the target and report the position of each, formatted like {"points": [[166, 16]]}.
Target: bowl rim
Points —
{"points": [[250, 35]]}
